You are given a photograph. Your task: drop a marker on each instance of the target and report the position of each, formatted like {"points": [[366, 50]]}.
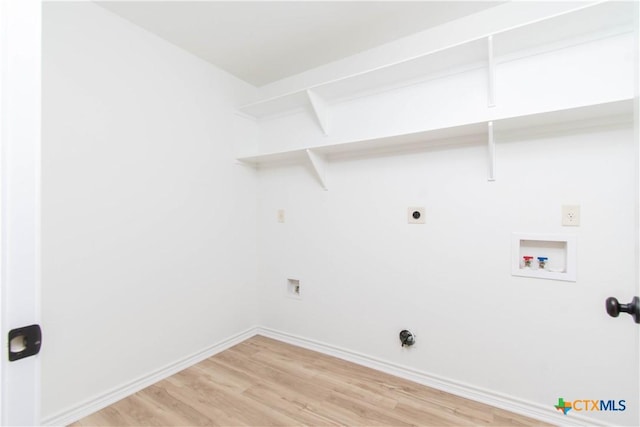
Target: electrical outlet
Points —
{"points": [[280, 215], [571, 215], [415, 215]]}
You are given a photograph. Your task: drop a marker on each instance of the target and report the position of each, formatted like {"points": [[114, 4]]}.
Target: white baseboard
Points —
{"points": [[97, 403], [498, 400], [518, 406]]}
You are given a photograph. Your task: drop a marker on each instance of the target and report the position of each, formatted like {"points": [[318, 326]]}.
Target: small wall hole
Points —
{"points": [[293, 288]]}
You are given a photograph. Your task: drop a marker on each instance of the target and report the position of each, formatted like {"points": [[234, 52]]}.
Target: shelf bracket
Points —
{"points": [[491, 145], [318, 164], [491, 73], [321, 110]]}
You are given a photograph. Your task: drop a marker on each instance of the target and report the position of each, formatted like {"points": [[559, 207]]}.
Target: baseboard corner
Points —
{"points": [[96, 403]]}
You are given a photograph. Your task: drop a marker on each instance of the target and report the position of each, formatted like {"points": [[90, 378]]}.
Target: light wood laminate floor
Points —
{"points": [[263, 382]]}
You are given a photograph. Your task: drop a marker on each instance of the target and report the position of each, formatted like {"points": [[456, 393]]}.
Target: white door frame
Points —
{"points": [[636, 119], [20, 63]]}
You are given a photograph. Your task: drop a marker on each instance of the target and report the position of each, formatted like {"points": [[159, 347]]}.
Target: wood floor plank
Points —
{"points": [[264, 373], [356, 390], [182, 409], [231, 407], [290, 403], [263, 382]]}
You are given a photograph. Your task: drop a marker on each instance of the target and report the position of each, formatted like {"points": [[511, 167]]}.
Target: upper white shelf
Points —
{"points": [[577, 26], [461, 57], [618, 111]]}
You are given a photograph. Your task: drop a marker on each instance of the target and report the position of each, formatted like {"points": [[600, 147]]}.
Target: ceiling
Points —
{"points": [[264, 41]]}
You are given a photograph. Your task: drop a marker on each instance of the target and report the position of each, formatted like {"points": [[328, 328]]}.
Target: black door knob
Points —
{"points": [[614, 308]]}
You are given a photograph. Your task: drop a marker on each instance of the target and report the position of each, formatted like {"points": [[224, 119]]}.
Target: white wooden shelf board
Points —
{"points": [[388, 143], [277, 105], [579, 25], [589, 115], [282, 157], [416, 140], [463, 57], [621, 110], [588, 23]]}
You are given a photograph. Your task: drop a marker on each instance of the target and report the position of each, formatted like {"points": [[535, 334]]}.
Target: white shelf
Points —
{"points": [[577, 26], [276, 105], [618, 111], [564, 105], [456, 58], [393, 143]]}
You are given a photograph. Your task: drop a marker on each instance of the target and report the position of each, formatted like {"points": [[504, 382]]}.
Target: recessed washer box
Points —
{"points": [[548, 256]]}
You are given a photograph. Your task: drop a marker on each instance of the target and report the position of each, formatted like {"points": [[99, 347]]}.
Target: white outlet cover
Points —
{"points": [[416, 215], [571, 215], [281, 215]]}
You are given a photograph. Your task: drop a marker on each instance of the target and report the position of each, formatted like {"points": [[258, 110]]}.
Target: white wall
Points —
{"points": [[148, 231], [366, 274]]}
